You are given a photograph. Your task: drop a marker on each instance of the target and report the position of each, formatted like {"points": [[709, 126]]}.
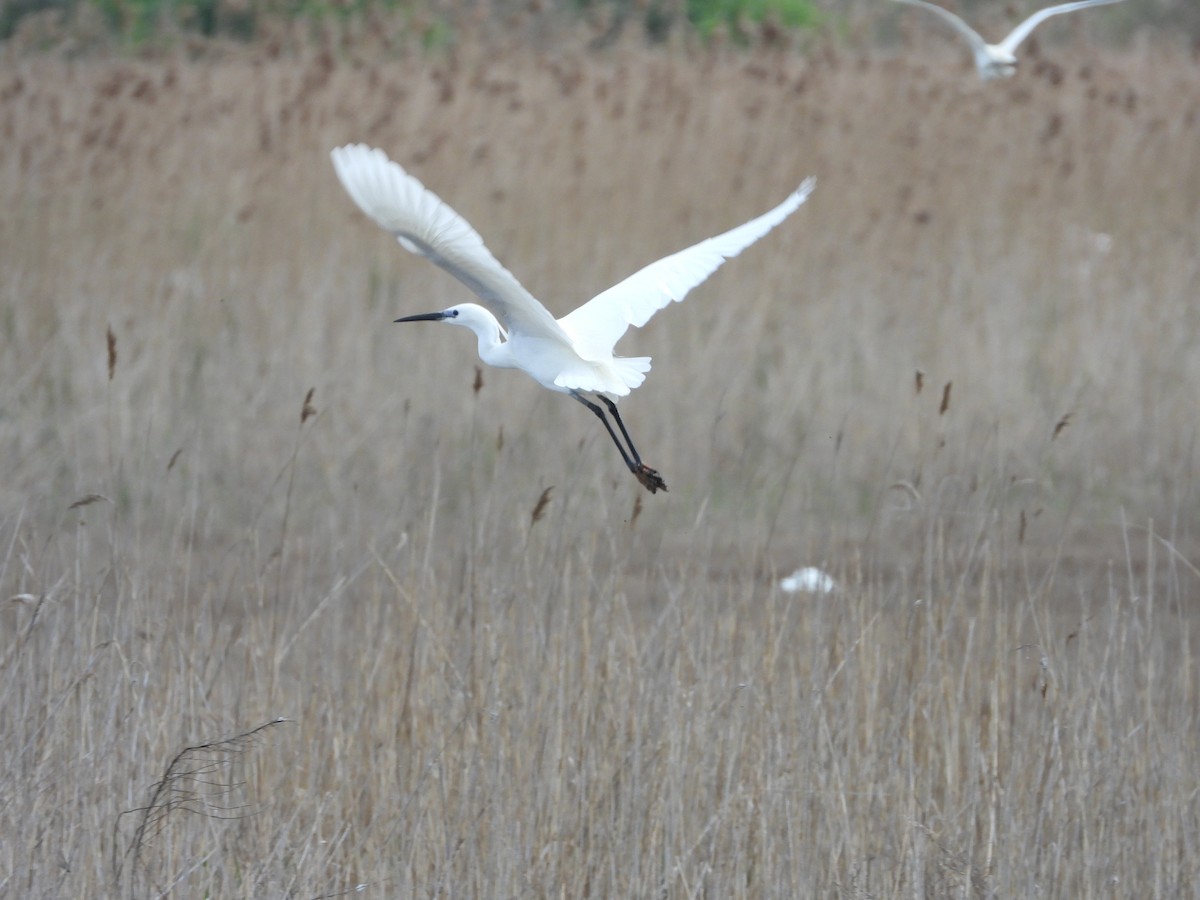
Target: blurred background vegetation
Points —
{"points": [[136, 25]]}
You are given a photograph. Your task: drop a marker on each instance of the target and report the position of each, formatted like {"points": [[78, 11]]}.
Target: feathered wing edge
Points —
{"points": [[427, 226], [972, 37], [596, 326], [1022, 31]]}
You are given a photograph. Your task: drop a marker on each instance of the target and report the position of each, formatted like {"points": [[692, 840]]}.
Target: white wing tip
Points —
{"points": [[354, 150], [796, 200], [337, 154], [353, 155]]}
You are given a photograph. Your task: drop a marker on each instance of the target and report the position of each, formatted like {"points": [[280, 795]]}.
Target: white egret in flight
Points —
{"points": [[995, 60], [572, 355]]}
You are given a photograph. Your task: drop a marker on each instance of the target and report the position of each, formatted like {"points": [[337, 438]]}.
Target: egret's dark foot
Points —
{"points": [[649, 478]]}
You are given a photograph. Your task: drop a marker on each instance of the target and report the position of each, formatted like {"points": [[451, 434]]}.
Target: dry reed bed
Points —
{"points": [[614, 700]]}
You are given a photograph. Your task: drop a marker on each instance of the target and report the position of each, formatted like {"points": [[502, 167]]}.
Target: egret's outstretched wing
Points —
{"points": [[1009, 44], [425, 225], [978, 44], [596, 326]]}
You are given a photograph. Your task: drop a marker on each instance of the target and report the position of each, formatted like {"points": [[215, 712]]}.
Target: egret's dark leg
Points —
{"points": [[612, 409], [649, 478], [600, 415]]}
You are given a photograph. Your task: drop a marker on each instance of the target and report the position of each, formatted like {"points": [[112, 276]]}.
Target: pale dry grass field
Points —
{"points": [[610, 697]]}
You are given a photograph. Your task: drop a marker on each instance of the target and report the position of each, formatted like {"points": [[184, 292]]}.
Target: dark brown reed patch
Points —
{"points": [[308, 410], [637, 510], [539, 508], [110, 341], [88, 500], [1060, 425]]}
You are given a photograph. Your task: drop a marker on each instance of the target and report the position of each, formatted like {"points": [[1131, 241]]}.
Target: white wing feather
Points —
{"points": [[596, 326], [425, 225], [973, 37], [1010, 43]]}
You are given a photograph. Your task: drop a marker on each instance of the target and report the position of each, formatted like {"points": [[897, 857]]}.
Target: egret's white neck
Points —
{"points": [[493, 349]]}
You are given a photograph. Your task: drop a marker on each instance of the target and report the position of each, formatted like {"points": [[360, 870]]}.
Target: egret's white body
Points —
{"points": [[574, 354], [998, 60]]}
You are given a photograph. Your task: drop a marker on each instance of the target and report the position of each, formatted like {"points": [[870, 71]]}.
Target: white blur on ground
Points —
{"points": [[810, 579]]}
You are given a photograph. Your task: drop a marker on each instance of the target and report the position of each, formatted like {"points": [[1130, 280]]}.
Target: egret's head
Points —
{"points": [[446, 315], [468, 315]]}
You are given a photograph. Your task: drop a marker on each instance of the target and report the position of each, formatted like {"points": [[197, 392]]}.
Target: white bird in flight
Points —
{"points": [[996, 60], [574, 354]]}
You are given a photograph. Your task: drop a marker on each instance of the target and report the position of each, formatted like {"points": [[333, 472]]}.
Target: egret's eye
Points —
{"points": [[454, 313]]}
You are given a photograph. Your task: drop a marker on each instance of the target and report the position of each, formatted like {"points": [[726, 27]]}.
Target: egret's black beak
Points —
{"points": [[423, 317]]}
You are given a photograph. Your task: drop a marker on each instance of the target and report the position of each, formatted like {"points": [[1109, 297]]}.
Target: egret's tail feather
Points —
{"points": [[615, 377], [632, 370]]}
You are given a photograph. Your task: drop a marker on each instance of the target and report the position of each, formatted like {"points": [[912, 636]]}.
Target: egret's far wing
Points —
{"points": [[972, 36], [596, 326], [1010, 43], [425, 225]]}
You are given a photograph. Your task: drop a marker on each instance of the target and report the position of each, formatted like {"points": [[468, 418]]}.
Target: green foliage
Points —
{"points": [[340, 10], [437, 35], [137, 22], [12, 11], [706, 16], [739, 18]]}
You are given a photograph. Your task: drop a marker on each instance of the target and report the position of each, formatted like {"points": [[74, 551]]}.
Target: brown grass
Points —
{"points": [[501, 690]]}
